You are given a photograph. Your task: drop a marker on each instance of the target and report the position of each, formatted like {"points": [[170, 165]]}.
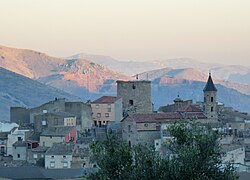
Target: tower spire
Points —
{"points": [[210, 84]]}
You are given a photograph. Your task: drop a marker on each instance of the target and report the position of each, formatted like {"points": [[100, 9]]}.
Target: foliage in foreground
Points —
{"points": [[195, 155]]}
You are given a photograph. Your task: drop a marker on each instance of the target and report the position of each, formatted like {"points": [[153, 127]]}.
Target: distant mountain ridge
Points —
{"points": [[232, 73], [75, 76], [17, 90], [84, 77]]}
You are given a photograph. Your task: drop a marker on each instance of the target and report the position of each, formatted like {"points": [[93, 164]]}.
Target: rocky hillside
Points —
{"points": [[231, 73], [178, 76], [17, 90], [75, 76], [136, 67]]}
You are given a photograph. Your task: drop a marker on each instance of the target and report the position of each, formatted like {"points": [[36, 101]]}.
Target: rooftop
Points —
{"points": [[19, 144], [134, 81], [57, 131], [106, 100], [190, 108], [155, 117], [210, 84], [40, 149], [61, 149], [35, 137], [7, 127]]}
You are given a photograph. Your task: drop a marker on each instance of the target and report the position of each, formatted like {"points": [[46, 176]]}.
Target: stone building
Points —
{"points": [[45, 120], [19, 151], [106, 110], [59, 156], [5, 130], [81, 110], [145, 128], [178, 104], [37, 155], [14, 136], [20, 115], [58, 135], [57, 105], [83, 113], [210, 99], [136, 96]]}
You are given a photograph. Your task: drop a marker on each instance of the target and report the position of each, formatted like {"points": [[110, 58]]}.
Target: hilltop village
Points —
{"points": [[56, 135]]}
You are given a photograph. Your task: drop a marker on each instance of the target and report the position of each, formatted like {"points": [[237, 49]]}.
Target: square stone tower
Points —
{"points": [[136, 96]]}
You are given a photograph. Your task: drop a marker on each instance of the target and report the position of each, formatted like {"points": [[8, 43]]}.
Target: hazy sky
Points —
{"points": [[206, 30]]}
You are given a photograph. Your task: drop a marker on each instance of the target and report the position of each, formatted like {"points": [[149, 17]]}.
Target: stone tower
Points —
{"points": [[136, 96], [210, 99]]}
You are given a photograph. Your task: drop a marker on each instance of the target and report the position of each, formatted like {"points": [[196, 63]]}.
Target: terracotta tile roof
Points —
{"points": [[155, 117], [198, 115], [190, 108], [106, 100], [191, 111]]}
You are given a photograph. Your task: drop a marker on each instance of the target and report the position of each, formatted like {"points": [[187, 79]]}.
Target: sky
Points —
{"points": [[205, 30]]}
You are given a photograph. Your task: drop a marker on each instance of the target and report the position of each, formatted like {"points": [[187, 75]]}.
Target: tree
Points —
{"points": [[198, 153], [195, 154], [113, 157]]}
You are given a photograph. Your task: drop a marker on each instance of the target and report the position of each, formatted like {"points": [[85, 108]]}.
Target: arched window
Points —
{"points": [[212, 109], [212, 99]]}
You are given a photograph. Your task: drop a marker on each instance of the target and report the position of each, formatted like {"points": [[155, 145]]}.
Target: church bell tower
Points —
{"points": [[210, 99]]}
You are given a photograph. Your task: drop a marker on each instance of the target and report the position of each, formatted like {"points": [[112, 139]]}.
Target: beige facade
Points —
{"points": [[107, 110], [58, 161], [70, 121]]}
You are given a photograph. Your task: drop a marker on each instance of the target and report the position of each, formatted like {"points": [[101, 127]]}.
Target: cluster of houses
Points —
{"points": [[57, 134]]}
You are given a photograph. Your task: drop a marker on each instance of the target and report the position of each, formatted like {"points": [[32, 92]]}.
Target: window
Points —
{"points": [[131, 102], [18, 155], [104, 122], [65, 164], [129, 128], [35, 156], [212, 99], [52, 157], [64, 156], [212, 109], [204, 99], [98, 114], [109, 107], [145, 125], [133, 86], [95, 123], [19, 138], [106, 114], [43, 143], [52, 164], [97, 106]]}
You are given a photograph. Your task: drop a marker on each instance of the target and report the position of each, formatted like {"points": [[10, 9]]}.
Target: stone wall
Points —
{"points": [[83, 113], [19, 115], [136, 96], [58, 105]]}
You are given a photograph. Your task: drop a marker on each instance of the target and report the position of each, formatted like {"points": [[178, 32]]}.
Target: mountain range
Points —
{"points": [[18, 90], [231, 73], [90, 76]]}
